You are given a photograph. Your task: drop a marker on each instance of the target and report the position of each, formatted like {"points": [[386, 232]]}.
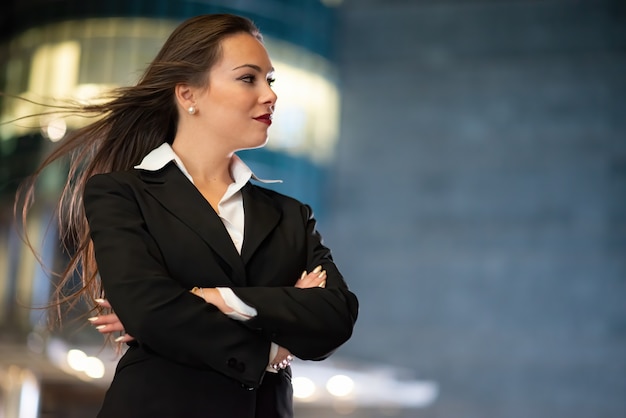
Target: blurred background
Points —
{"points": [[467, 163]]}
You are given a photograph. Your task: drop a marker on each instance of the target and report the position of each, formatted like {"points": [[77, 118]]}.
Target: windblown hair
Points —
{"points": [[131, 122]]}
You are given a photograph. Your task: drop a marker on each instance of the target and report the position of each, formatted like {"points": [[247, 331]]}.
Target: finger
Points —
{"points": [[312, 275], [107, 328], [109, 319], [94, 320], [317, 278], [312, 279], [124, 338], [104, 303], [102, 319], [115, 326], [103, 329]]}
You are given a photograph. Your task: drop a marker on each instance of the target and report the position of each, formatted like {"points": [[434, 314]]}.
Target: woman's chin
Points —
{"points": [[258, 144]]}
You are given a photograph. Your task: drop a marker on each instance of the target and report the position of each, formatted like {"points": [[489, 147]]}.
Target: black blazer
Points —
{"points": [[156, 237]]}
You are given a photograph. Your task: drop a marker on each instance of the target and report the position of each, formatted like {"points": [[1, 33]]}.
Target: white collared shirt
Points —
{"points": [[230, 207], [230, 210]]}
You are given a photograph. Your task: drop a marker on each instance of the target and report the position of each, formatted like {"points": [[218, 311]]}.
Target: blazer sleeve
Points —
{"points": [[155, 308], [311, 323]]}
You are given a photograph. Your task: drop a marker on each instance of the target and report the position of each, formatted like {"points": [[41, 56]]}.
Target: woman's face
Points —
{"points": [[237, 106]]}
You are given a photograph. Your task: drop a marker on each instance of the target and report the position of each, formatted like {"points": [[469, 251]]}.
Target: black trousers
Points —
{"points": [[146, 386], [275, 396]]}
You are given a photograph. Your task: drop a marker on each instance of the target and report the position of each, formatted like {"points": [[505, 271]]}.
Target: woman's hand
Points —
{"points": [[213, 296], [316, 278], [109, 323]]}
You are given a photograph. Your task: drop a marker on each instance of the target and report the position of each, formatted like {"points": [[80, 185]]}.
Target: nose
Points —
{"points": [[269, 97]]}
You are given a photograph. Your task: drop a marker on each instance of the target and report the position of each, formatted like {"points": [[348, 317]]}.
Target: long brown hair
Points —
{"points": [[131, 122]]}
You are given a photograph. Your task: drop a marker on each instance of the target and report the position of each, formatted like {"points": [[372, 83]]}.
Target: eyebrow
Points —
{"points": [[253, 66]]}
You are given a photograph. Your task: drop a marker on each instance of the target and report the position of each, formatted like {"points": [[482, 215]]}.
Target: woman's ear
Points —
{"points": [[185, 96]]}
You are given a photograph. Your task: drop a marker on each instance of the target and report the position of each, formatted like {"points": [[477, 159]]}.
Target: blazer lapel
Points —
{"points": [[262, 216], [179, 196]]}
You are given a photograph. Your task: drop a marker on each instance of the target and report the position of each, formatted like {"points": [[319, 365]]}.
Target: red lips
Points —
{"points": [[267, 119]]}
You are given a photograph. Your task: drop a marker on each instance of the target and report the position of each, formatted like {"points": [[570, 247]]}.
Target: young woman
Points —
{"points": [[219, 281]]}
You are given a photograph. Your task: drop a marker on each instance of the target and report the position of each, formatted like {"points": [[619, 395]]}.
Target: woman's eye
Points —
{"points": [[248, 79], [271, 81]]}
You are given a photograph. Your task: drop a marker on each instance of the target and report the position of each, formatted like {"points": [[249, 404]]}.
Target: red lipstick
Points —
{"points": [[266, 118]]}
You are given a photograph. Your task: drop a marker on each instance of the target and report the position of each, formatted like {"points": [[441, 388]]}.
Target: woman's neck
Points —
{"points": [[206, 166]]}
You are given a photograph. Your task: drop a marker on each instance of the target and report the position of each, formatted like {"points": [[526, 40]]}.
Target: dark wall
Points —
{"points": [[479, 200]]}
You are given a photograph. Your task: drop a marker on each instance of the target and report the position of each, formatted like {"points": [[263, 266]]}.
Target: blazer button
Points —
{"points": [[237, 365]]}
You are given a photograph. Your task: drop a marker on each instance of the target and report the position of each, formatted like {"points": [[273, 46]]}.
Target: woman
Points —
{"points": [[203, 268]]}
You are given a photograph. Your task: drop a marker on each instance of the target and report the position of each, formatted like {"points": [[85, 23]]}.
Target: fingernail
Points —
{"points": [[303, 275], [92, 319], [323, 284], [322, 274], [317, 269], [119, 339], [99, 300], [101, 326]]}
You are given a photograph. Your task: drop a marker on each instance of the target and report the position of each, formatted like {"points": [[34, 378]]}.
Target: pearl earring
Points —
{"points": [[191, 110]]}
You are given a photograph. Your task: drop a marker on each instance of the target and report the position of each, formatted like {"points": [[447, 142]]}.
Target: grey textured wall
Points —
{"points": [[478, 201]]}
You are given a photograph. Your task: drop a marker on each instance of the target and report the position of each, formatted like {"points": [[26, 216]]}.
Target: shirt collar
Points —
{"points": [[160, 156]]}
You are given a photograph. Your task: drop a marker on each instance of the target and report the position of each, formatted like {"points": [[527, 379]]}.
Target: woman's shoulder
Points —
{"points": [[289, 206], [120, 176], [114, 179], [278, 198]]}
